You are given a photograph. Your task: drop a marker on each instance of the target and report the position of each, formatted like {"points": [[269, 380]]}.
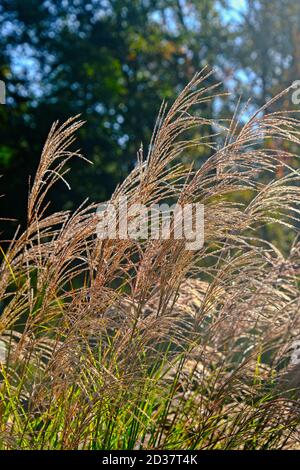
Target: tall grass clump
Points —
{"points": [[143, 344]]}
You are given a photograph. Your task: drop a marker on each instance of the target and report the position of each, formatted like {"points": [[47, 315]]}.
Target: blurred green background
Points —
{"points": [[114, 61]]}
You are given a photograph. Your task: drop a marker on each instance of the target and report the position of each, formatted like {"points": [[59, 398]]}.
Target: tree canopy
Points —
{"points": [[113, 62]]}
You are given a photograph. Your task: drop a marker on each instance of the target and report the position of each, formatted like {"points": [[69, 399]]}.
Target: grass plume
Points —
{"points": [[128, 344]]}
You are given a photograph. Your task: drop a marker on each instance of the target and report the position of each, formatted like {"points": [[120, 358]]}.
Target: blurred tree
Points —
{"points": [[267, 48], [267, 61], [113, 61]]}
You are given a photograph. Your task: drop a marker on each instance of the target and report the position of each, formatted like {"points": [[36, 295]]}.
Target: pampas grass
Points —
{"points": [[129, 344]]}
